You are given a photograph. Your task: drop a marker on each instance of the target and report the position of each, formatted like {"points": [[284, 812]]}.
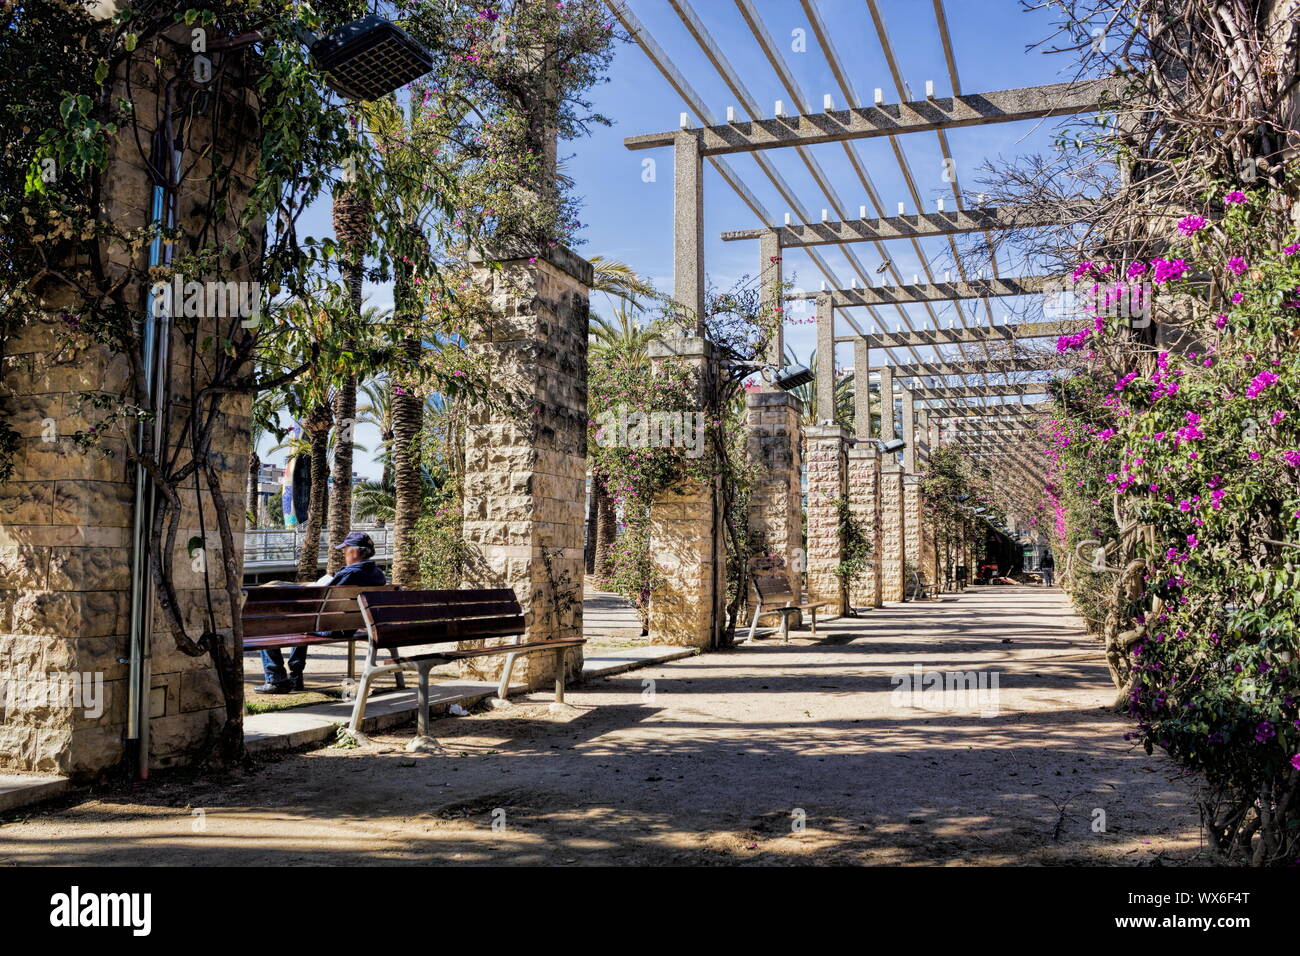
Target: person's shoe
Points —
{"points": [[295, 684], [271, 689]]}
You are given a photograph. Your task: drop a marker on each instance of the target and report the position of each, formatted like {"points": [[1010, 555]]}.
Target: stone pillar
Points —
{"points": [[861, 390], [911, 449], [775, 511], [66, 513], [688, 225], [825, 370], [827, 479], [887, 432], [771, 285], [919, 536], [685, 538], [525, 477], [893, 531], [864, 505]]}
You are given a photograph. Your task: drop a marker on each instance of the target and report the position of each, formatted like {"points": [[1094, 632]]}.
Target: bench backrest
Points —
{"points": [[283, 611], [773, 589], [404, 618]]}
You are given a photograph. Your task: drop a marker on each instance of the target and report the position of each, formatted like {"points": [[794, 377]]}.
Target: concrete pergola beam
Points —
{"points": [[980, 391], [930, 292], [974, 367], [956, 336], [949, 223], [939, 113]]}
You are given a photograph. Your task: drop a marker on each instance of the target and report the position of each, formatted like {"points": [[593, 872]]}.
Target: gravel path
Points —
{"points": [[798, 753]]}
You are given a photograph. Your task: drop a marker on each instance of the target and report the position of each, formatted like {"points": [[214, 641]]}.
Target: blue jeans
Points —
{"points": [[1047, 576], [273, 664]]}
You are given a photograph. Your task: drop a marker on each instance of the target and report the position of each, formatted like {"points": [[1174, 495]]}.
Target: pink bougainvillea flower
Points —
{"points": [[1292, 249], [1189, 225], [1234, 198], [1221, 321], [1292, 458], [1260, 382], [1237, 297], [1168, 270], [1237, 265], [1277, 417], [1136, 269]]}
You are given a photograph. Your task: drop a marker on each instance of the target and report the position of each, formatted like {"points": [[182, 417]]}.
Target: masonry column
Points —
{"points": [[893, 528], [864, 480], [688, 226], [525, 476], [686, 535], [771, 282], [66, 512], [775, 504], [916, 540], [827, 478]]}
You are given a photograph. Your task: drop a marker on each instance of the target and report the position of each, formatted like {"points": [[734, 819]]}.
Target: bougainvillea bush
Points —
{"points": [[1176, 492]]}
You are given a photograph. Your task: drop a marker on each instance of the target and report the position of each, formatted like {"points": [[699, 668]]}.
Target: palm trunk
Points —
{"points": [[251, 498], [589, 555], [408, 417], [352, 228], [345, 413], [605, 529], [309, 555]]}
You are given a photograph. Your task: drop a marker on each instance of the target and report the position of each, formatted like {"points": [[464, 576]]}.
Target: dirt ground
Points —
{"points": [[774, 754]]}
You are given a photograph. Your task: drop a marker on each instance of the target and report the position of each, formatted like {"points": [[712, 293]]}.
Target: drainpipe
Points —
{"points": [[165, 162]]}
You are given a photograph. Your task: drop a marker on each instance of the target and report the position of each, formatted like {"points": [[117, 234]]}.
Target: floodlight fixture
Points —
{"points": [[368, 58], [791, 377], [891, 446]]}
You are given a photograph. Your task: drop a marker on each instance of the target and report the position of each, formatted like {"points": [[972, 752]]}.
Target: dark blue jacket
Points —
{"points": [[361, 574]]}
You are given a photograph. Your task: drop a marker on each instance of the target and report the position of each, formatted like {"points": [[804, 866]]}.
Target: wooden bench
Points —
{"points": [[403, 619], [772, 595], [302, 616], [921, 589]]}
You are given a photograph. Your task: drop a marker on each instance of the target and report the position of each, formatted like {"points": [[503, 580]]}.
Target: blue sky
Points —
{"points": [[628, 218]]}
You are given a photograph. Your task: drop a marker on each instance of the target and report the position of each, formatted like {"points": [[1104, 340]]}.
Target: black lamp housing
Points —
{"points": [[791, 377], [369, 58]]}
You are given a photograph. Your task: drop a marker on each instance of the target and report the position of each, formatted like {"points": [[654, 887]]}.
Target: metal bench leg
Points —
{"points": [[398, 676], [753, 624], [503, 687], [352, 660], [559, 675], [814, 622], [785, 628], [359, 705], [422, 693]]}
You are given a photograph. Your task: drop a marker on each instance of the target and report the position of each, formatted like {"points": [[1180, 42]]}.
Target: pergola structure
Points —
{"points": [[923, 398]]}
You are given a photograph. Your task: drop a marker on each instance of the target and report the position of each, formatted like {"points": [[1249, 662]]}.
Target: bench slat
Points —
{"points": [[437, 632], [412, 613]]}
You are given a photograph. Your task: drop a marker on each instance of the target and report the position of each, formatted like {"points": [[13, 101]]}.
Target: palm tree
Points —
{"points": [[316, 426], [352, 214], [374, 501], [254, 475], [378, 411], [808, 394]]}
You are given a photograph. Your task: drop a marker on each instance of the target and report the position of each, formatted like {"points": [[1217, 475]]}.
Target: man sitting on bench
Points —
{"points": [[359, 571]]}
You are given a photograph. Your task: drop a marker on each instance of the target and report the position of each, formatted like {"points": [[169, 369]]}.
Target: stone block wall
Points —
{"points": [[775, 505], [893, 533], [525, 472], [919, 536], [66, 514], [826, 471], [864, 504], [682, 544], [684, 535]]}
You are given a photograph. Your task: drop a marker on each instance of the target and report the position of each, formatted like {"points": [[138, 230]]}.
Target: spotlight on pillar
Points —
{"points": [[891, 446], [368, 58], [791, 377]]}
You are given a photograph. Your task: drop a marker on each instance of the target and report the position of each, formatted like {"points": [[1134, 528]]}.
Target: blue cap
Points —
{"points": [[357, 539]]}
